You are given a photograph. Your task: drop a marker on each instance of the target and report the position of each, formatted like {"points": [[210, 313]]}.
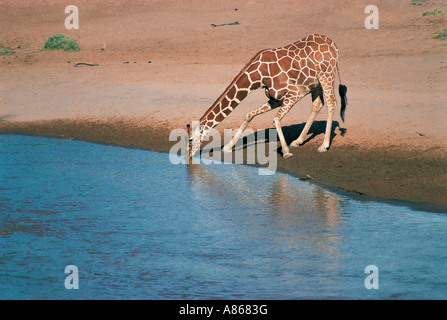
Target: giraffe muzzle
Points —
{"points": [[189, 139]]}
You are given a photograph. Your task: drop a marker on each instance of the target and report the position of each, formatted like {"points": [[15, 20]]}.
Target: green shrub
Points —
{"points": [[418, 2], [441, 35], [61, 41], [431, 13], [4, 51]]}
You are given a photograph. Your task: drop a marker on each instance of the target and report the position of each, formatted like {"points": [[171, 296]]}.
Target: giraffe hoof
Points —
{"points": [[287, 155], [295, 144], [227, 149], [322, 149]]}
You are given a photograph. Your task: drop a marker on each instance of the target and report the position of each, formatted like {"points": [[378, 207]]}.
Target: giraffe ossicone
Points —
{"points": [[287, 74]]}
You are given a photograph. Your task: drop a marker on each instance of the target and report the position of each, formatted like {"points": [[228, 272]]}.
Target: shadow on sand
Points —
{"points": [[6, 117], [292, 133]]}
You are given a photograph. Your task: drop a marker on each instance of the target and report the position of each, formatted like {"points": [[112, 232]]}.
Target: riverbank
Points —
{"points": [[411, 177]]}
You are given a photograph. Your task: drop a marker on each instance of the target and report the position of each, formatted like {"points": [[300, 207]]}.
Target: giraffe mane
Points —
{"points": [[229, 87]]}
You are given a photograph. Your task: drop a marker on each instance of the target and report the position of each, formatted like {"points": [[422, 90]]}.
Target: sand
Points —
{"points": [[161, 65]]}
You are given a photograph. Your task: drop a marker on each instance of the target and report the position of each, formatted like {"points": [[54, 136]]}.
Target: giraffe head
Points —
{"points": [[195, 139]]}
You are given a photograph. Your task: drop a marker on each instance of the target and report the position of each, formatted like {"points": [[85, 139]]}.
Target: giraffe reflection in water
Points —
{"points": [[301, 213]]}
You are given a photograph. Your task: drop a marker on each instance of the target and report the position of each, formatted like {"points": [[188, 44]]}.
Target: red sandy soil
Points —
{"points": [[395, 141]]}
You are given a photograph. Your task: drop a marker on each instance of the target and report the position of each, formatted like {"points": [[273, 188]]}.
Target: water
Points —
{"points": [[138, 227]]}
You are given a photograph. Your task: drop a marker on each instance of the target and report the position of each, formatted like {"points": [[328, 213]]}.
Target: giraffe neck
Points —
{"points": [[237, 91]]}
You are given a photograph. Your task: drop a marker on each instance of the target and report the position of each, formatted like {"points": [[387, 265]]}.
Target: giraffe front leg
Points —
{"points": [[316, 107], [229, 146], [264, 108], [285, 149], [287, 105]]}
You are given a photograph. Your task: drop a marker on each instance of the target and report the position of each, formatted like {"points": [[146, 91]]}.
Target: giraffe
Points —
{"points": [[287, 74]]}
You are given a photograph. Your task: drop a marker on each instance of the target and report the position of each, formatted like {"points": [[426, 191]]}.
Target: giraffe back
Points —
{"points": [[324, 53], [300, 64]]}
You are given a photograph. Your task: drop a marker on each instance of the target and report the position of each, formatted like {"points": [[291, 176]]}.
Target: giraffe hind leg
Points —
{"points": [[329, 95]]}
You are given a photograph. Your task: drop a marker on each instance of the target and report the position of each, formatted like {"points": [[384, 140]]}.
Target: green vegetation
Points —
{"points": [[4, 51], [431, 13], [418, 2], [61, 41], [441, 35]]}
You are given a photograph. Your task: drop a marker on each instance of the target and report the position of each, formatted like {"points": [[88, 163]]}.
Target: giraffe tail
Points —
{"points": [[342, 89]]}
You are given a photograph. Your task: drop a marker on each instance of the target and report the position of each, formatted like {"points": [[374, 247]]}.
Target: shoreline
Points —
{"points": [[411, 178]]}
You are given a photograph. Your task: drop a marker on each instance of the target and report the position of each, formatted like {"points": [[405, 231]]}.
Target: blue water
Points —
{"points": [[138, 227]]}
